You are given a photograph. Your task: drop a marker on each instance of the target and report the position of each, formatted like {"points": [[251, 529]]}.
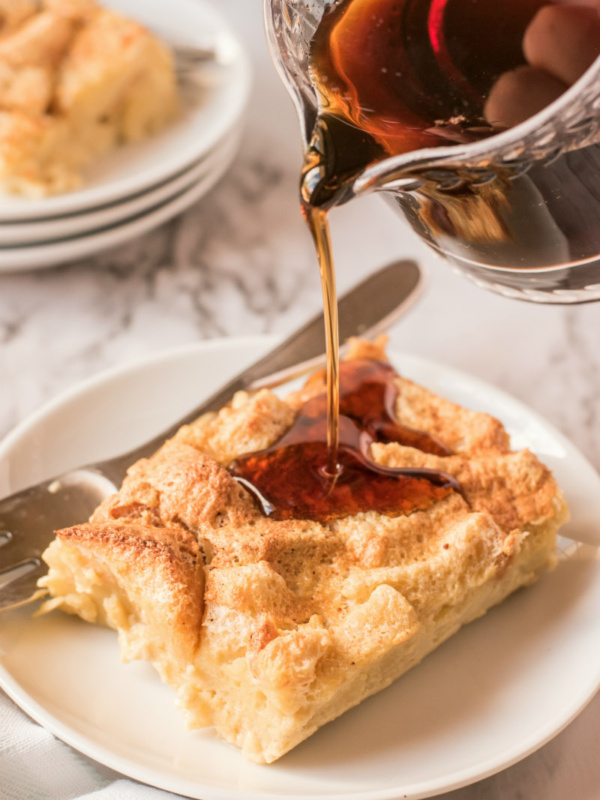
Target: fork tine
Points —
{"points": [[17, 571], [18, 584]]}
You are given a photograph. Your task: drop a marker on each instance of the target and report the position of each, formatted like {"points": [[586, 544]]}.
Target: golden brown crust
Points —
{"points": [[146, 582], [248, 424], [303, 619], [180, 485], [514, 488], [161, 570], [462, 430]]}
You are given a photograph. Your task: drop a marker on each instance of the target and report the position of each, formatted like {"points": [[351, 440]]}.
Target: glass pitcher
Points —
{"points": [[517, 213]]}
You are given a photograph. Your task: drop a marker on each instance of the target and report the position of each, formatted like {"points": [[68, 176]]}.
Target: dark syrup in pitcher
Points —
{"points": [[392, 76]]}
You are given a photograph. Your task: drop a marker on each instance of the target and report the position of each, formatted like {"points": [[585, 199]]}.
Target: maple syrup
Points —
{"points": [[391, 76], [292, 479], [319, 227]]}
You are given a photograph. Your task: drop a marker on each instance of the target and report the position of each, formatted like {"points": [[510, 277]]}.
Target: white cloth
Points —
{"points": [[35, 765]]}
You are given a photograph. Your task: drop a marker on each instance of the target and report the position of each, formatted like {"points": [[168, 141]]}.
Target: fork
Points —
{"points": [[29, 518]]}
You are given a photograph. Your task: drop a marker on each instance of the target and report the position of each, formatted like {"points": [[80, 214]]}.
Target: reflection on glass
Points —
{"points": [[397, 77]]}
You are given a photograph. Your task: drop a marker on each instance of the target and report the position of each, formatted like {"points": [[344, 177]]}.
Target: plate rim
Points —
{"points": [[63, 251], [206, 158], [118, 212], [157, 779]]}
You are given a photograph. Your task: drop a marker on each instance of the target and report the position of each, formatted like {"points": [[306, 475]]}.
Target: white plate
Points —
{"points": [[46, 254], [134, 168], [494, 693], [36, 232]]}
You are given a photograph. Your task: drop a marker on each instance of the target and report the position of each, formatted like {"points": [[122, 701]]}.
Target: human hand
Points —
{"points": [[560, 43]]}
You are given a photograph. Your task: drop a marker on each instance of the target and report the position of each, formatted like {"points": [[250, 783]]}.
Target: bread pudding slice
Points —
{"points": [[76, 80], [269, 628]]}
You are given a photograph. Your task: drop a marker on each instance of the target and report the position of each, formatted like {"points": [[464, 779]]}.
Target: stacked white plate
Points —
{"points": [[138, 187]]}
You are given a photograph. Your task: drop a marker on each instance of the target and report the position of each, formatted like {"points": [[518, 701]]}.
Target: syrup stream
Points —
{"points": [[319, 228]]}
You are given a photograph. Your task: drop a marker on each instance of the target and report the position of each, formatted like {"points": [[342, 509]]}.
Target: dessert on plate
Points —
{"points": [[271, 612], [76, 80]]}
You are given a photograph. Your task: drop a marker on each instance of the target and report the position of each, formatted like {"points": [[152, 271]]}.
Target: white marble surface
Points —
{"points": [[240, 262]]}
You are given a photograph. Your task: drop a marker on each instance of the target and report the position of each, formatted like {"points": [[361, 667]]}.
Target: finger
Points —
{"points": [[519, 94], [591, 3], [563, 40]]}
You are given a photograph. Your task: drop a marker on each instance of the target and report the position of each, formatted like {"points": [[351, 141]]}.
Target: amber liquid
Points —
{"points": [[391, 76], [394, 76], [292, 479], [319, 228]]}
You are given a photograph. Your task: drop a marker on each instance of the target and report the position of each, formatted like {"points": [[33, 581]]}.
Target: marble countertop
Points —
{"points": [[241, 262]]}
